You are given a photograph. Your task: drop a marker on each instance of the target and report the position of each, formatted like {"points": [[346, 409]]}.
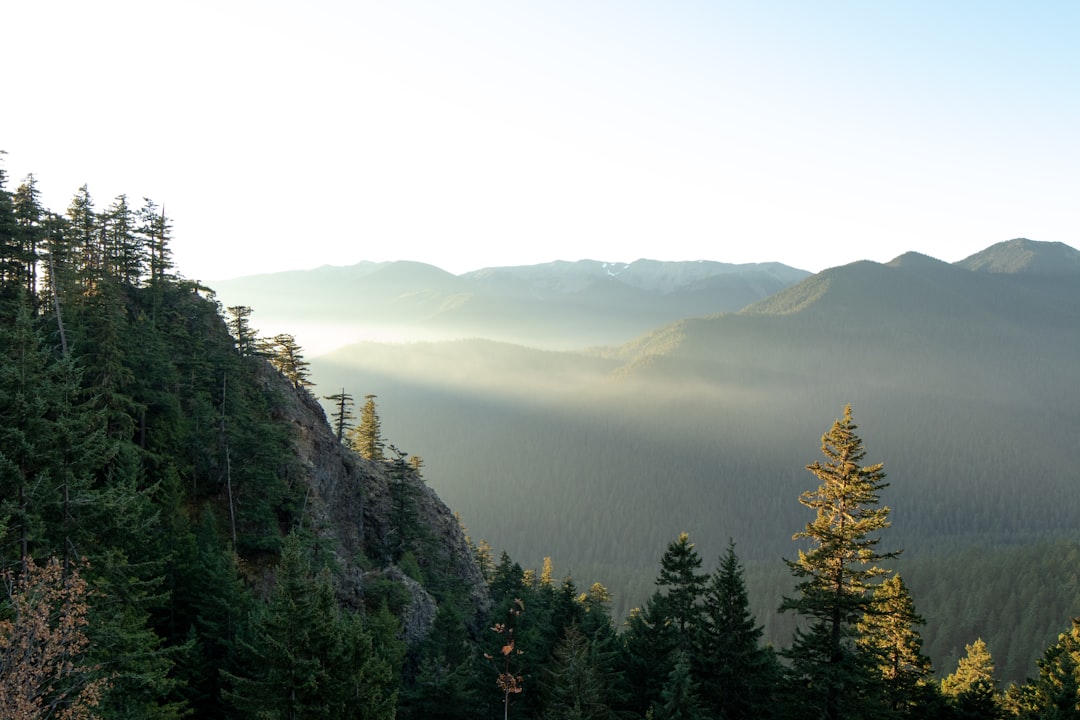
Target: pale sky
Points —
{"points": [[469, 134]]}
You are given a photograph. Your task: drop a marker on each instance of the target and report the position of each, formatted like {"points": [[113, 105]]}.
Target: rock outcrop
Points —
{"points": [[349, 501]]}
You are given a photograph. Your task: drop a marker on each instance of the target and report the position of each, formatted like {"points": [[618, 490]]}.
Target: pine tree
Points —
{"points": [[285, 354], [29, 217], [575, 684], [366, 438], [889, 635], [343, 403], [649, 644], [1055, 693], [239, 322], [680, 576], [306, 658], [737, 673], [972, 690], [680, 694], [835, 575]]}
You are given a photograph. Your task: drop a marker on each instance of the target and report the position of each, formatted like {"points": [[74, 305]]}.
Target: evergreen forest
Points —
{"points": [[185, 532]]}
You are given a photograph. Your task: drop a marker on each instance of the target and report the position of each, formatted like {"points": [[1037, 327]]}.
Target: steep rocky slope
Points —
{"points": [[348, 499]]}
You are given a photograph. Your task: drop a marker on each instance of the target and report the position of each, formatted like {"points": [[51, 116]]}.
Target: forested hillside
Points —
{"points": [[185, 533], [969, 380]]}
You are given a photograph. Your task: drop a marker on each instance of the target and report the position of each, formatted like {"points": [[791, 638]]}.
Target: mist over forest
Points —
{"points": [[963, 378]]}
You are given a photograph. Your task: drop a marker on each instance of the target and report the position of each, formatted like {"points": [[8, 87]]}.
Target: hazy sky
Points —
{"points": [[282, 135]]}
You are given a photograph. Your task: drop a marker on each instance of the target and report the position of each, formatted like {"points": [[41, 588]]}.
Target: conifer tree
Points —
{"points": [[680, 576], [29, 220], [737, 674], [443, 688], [1055, 693], [972, 690], [155, 234], [285, 355], [836, 574], [366, 438], [888, 634], [10, 274], [343, 404], [306, 658], [680, 699], [82, 224], [126, 257], [239, 323], [649, 643], [575, 683]]}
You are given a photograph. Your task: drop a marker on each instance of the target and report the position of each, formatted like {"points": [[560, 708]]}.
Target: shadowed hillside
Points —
{"points": [[966, 384]]}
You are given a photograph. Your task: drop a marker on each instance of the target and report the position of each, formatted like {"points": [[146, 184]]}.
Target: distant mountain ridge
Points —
{"points": [[965, 380], [556, 305], [1027, 257]]}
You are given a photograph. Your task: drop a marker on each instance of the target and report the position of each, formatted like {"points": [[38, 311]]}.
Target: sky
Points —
{"points": [[481, 133]]}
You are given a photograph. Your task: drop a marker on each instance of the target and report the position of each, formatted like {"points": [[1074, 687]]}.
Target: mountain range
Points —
{"points": [[964, 379], [558, 305]]}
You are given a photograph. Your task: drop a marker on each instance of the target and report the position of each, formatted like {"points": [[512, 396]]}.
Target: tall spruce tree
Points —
{"points": [[737, 674], [681, 577], [836, 575]]}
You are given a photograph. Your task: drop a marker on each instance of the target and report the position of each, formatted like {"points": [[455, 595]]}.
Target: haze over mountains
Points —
{"points": [[964, 379], [558, 305]]}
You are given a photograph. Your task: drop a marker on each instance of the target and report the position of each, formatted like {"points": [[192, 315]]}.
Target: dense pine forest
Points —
{"points": [[184, 533]]}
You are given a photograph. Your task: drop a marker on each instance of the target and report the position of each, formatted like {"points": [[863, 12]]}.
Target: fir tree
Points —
{"points": [[366, 438], [343, 404], [889, 635], [1055, 693], [737, 674], [287, 358], [684, 584], [680, 694], [239, 323], [835, 575], [972, 690]]}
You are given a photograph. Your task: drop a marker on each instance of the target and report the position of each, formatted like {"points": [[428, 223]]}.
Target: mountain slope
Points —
{"points": [[1023, 256], [966, 384]]}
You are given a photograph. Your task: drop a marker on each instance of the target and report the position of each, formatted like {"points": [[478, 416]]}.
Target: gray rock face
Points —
{"points": [[349, 502]]}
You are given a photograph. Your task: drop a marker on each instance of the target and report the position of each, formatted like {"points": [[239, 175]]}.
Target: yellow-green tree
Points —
{"points": [[888, 634], [836, 575], [972, 689]]}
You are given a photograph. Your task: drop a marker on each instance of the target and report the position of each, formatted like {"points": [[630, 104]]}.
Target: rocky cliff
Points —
{"points": [[348, 500]]}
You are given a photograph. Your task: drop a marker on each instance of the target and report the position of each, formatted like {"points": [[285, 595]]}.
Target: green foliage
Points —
{"points": [[835, 573], [684, 585], [738, 675], [305, 657], [343, 404], [888, 633], [366, 438], [1055, 693], [577, 682], [972, 690]]}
